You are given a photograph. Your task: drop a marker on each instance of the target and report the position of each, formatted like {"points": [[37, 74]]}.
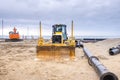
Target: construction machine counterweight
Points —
{"points": [[58, 47]]}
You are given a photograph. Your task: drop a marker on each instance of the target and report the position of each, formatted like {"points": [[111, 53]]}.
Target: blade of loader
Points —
{"points": [[55, 52]]}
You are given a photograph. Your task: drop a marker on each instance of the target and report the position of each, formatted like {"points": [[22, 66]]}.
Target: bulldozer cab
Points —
{"points": [[59, 33]]}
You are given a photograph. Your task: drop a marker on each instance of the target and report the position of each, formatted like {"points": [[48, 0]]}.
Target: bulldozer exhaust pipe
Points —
{"points": [[114, 51], [40, 30], [72, 29], [101, 70]]}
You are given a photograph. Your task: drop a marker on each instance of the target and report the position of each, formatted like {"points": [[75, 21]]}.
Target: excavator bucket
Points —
{"points": [[55, 52]]}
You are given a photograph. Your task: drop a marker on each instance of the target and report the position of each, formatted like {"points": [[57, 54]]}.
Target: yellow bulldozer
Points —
{"points": [[59, 46]]}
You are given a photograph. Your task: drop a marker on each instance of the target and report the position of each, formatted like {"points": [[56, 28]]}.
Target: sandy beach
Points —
{"points": [[18, 62]]}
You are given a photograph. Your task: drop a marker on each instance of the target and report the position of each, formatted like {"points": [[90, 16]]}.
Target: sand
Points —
{"points": [[18, 62]]}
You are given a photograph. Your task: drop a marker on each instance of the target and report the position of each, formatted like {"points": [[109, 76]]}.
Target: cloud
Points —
{"points": [[92, 16], [57, 9]]}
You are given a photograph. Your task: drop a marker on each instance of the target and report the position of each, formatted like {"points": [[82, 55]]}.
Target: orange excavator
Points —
{"points": [[13, 36]]}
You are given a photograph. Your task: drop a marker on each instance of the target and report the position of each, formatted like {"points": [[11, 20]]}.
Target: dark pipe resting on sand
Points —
{"points": [[114, 51], [79, 43], [101, 70]]}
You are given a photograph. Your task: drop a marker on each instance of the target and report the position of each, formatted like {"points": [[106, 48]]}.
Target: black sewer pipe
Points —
{"points": [[114, 50], [100, 69]]}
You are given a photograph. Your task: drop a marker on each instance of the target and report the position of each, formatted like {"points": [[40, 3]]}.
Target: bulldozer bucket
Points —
{"points": [[55, 52]]}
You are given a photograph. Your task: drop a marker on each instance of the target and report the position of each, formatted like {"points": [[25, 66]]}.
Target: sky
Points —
{"points": [[91, 17]]}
